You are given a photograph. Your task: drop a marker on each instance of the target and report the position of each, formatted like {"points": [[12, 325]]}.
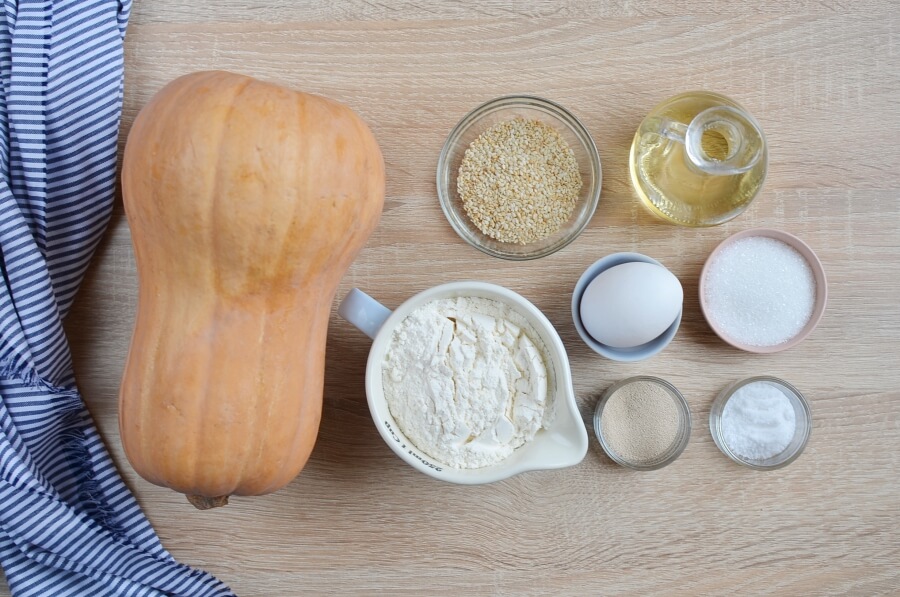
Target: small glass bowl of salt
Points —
{"points": [[761, 422]]}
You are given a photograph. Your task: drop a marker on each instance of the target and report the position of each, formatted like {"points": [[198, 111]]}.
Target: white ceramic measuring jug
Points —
{"points": [[562, 443]]}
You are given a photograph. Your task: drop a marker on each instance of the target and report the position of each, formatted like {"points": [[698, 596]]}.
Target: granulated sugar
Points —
{"points": [[759, 291]]}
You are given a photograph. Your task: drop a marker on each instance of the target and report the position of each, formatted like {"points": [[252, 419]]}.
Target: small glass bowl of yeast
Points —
{"points": [[643, 423]]}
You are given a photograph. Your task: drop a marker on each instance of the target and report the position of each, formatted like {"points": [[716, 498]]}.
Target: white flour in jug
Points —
{"points": [[466, 380]]}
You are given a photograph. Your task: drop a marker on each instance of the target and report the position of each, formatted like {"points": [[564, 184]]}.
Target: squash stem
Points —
{"points": [[201, 502]]}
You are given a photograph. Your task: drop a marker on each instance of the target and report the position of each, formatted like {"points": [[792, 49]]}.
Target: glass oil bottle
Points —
{"points": [[698, 159]]}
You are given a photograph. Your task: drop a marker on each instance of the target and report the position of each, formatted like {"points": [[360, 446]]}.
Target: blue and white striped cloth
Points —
{"points": [[68, 524]]}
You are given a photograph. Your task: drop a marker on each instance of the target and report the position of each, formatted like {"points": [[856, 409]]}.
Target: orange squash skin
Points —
{"points": [[247, 202]]}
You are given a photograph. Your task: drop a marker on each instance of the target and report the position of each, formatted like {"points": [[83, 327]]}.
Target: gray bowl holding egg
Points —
{"points": [[640, 350]]}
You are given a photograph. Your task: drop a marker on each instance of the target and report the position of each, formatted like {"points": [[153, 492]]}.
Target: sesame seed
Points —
{"points": [[519, 181]]}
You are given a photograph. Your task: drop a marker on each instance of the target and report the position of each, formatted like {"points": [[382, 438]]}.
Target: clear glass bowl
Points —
{"points": [[681, 439], [506, 108], [801, 432]]}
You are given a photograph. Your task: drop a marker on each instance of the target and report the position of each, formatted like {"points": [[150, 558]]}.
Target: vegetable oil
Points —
{"points": [[698, 159]]}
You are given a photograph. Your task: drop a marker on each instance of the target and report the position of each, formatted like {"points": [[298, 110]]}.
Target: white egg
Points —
{"points": [[631, 304]]}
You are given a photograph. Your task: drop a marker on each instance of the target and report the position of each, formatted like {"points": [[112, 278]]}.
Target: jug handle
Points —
{"points": [[364, 312]]}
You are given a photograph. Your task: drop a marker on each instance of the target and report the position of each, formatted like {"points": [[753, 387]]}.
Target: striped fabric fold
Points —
{"points": [[68, 524]]}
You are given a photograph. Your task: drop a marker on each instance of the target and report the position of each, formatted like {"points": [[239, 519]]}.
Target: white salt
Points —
{"points": [[759, 291], [758, 421]]}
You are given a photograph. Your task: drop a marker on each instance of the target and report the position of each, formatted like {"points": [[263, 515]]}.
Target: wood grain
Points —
{"points": [[822, 78]]}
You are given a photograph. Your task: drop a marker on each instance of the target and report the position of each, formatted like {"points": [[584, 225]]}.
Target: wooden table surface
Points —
{"points": [[824, 81]]}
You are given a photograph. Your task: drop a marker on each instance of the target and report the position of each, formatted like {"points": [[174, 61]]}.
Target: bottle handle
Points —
{"points": [[367, 314], [674, 130], [741, 132]]}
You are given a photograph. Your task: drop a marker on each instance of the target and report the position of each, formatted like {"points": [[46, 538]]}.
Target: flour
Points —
{"points": [[466, 381]]}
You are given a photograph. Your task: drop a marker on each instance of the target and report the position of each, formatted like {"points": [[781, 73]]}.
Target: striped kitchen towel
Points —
{"points": [[68, 524]]}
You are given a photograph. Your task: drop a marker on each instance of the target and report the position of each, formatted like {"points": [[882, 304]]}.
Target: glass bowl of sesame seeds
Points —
{"points": [[519, 177]]}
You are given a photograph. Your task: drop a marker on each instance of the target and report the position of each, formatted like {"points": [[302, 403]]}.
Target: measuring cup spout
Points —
{"points": [[364, 312]]}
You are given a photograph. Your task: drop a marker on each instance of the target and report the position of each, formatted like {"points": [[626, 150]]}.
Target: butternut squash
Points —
{"points": [[247, 202]]}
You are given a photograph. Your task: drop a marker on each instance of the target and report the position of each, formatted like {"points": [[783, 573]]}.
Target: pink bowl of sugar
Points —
{"points": [[763, 290]]}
